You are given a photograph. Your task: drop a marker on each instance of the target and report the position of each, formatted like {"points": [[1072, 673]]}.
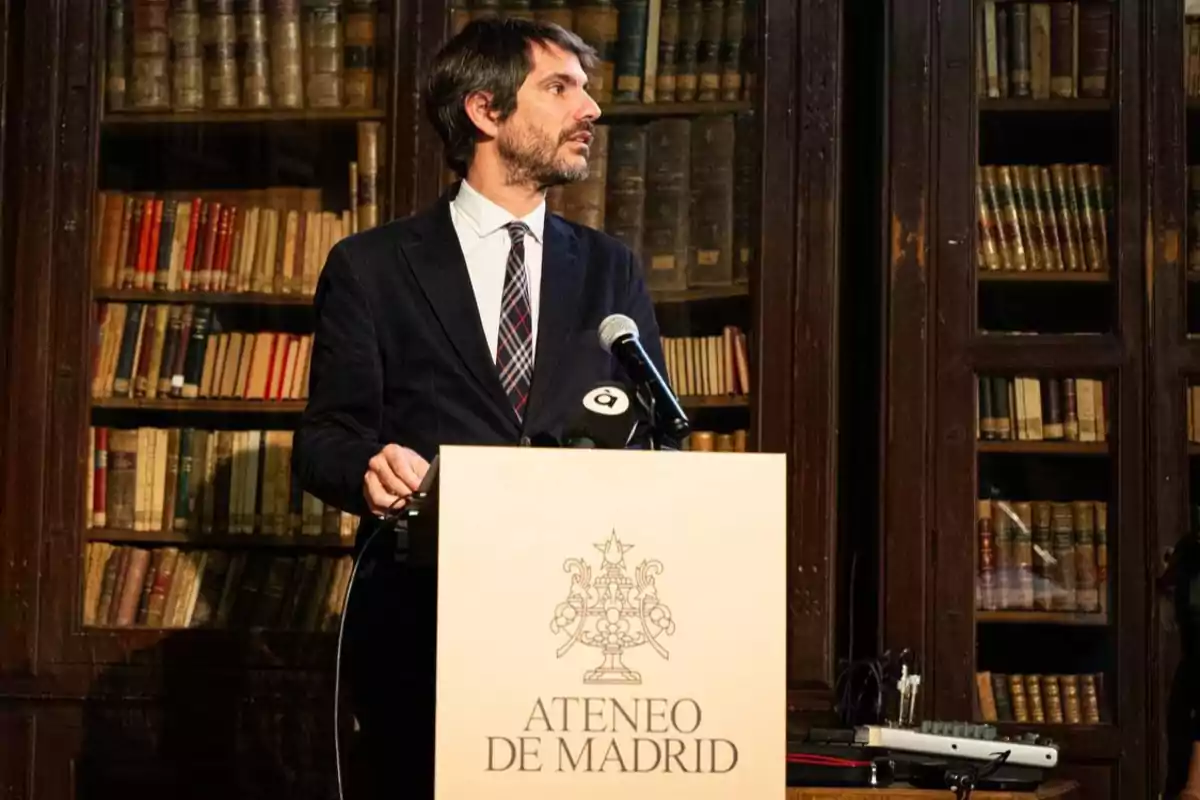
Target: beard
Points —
{"points": [[533, 157]]}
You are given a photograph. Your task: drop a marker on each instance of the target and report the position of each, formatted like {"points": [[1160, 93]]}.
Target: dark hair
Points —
{"points": [[490, 55]]}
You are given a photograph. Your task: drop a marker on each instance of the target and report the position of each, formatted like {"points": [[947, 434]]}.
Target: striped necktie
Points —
{"points": [[514, 346]]}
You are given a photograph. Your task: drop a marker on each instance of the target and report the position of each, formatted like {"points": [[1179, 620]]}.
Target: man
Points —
{"points": [[455, 326], [473, 322]]}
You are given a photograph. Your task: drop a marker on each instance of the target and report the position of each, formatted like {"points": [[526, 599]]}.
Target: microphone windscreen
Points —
{"points": [[614, 327], [606, 418]]}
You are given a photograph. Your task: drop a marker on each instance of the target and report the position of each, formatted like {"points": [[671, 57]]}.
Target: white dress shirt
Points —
{"points": [[486, 243]]}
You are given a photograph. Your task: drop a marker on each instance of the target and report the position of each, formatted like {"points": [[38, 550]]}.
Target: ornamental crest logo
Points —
{"points": [[613, 612]]}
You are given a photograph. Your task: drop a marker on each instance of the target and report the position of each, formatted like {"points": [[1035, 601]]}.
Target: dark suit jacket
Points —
{"points": [[399, 354]]}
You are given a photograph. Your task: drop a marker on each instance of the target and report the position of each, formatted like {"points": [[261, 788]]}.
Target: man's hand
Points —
{"points": [[392, 474]]}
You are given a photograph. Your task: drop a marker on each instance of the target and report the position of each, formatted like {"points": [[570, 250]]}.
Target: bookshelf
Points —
{"points": [[193, 664], [238, 144], [1026, 410]]}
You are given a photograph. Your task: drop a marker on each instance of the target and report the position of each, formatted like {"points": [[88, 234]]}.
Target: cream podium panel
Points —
{"points": [[611, 624]]}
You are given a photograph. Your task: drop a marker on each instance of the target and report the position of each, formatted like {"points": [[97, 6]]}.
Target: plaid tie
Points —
{"points": [[514, 347]]}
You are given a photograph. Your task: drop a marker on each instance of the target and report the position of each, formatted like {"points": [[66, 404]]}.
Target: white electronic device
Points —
{"points": [[904, 740]]}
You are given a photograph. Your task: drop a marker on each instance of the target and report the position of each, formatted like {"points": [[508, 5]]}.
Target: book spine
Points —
{"points": [[625, 202], [597, 22], [287, 74], [358, 63], [187, 57], [116, 48], [218, 35], [629, 59], [149, 86], [321, 27], [668, 52]]}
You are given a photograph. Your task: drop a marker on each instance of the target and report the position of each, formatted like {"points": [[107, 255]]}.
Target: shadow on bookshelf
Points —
{"points": [[297, 299], [1051, 105], [625, 110], [1041, 618], [203, 404], [133, 118], [714, 401], [1044, 448], [204, 298], [218, 540], [612, 110], [998, 276], [699, 293]]}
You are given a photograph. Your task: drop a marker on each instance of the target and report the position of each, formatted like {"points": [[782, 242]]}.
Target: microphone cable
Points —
{"points": [[390, 517]]}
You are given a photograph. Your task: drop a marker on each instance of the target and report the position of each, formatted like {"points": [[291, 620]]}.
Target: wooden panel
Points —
{"points": [[1129, 556], [70, 320], [16, 753], [208, 743], [1096, 781], [905, 431], [25, 428], [951, 609], [1174, 355], [813, 550], [7, 213]]}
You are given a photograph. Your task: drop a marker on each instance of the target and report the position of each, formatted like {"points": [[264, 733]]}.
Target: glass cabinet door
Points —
{"points": [[1046, 270], [238, 143]]}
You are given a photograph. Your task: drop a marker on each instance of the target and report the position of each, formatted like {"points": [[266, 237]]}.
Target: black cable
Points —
{"points": [[389, 517], [962, 780]]}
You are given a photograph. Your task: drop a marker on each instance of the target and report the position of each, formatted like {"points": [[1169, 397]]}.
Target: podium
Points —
{"points": [[559, 623]]}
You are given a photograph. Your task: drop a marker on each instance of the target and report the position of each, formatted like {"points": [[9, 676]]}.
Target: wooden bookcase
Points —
{"points": [[1173, 99], [1013, 520], [246, 706]]}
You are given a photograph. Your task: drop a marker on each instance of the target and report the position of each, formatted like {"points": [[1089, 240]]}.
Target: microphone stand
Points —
{"points": [[646, 399]]}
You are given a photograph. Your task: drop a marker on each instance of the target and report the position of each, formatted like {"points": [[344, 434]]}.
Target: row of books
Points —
{"points": [[676, 191], [1191, 56], [1044, 218], [168, 587], [1193, 213], [258, 240], [708, 365], [202, 482], [189, 55], [707, 441], [1042, 556], [1076, 699], [1043, 50], [1047, 408], [1193, 414], [651, 52], [166, 350], [215, 241]]}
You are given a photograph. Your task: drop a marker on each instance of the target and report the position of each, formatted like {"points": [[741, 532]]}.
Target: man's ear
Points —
{"points": [[478, 106]]}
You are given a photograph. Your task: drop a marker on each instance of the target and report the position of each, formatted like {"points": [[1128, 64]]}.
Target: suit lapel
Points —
{"points": [[437, 261], [562, 282]]}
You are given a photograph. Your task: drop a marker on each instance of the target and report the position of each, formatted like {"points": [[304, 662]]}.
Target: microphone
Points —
{"points": [[619, 336], [605, 419]]}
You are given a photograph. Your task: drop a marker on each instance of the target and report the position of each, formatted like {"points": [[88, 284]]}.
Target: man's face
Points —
{"points": [[547, 139]]}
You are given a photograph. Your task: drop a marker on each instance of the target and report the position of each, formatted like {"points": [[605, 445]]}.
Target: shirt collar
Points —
{"points": [[486, 217]]}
